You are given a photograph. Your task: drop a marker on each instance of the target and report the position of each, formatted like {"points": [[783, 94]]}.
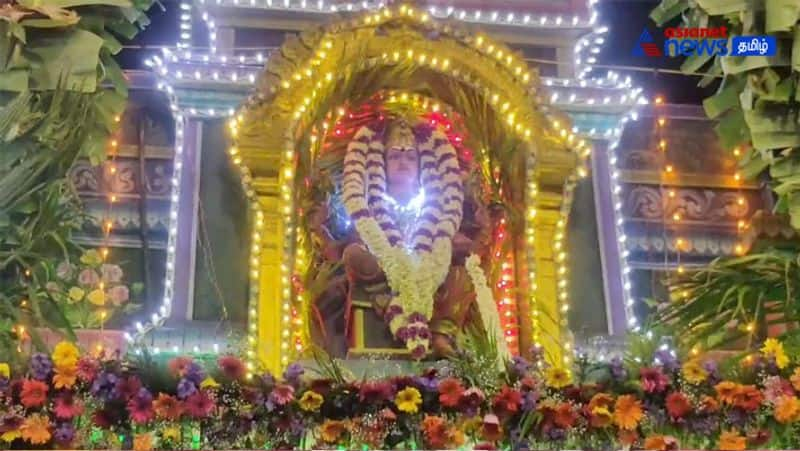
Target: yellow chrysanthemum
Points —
{"points": [[774, 348], [311, 401], [65, 354], [557, 377], [97, 297], [91, 258], [5, 370], [171, 433], [209, 383], [408, 400], [76, 294], [11, 435], [65, 376], [693, 372]]}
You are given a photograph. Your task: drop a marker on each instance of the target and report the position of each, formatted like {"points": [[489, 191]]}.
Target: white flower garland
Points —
{"points": [[413, 276]]}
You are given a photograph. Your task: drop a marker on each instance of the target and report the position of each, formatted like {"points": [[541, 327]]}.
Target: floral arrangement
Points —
{"points": [[90, 291], [67, 399], [414, 271]]}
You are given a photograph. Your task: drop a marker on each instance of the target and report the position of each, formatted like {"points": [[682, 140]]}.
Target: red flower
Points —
{"points": [[179, 365], [103, 419], [678, 405], [34, 393], [471, 400], [528, 383], [748, 398], [167, 407], [564, 417], [231, 367], [199, 405], [127, 387], [507, 402], [140, 408], [653, 380], [66, 407], [491, 429], [450, 391], [375, 391], [321, 386], [88, 367]]}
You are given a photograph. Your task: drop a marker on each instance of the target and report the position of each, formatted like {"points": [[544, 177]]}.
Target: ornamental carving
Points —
{"points": [[654, 203], [100, 181]]}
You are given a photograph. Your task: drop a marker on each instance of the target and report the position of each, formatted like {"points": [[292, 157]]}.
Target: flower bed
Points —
{"points": [[84, 401]]}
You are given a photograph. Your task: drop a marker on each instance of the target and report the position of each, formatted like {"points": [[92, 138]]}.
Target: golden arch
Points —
{"points": [[401, 49]]}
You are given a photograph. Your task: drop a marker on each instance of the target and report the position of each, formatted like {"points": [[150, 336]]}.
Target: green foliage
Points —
{"points": [[735, 300], [55, 57], [758, 101]]}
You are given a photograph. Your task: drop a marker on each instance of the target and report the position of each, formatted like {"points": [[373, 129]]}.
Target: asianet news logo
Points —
{"points": [[703, 41]]}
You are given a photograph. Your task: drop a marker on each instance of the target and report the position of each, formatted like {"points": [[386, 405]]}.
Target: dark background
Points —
{"points": [[625, 19]]}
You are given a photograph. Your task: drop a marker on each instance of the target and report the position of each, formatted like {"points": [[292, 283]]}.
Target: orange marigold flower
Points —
{"points": [[564, 416], [142, 442], [627, 412], [731, 441], [167, 407], [332, 430], [34, 393], [787, 409], [660, 443], [726, 391], [795, 379], [708, 404], [456, 437], [748, 398], [601, 400], [36, 429], [65, 376], [435, 431]]}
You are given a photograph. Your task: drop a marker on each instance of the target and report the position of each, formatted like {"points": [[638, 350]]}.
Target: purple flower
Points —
{"points": [[418, 352], [64, 434], [520, 365], [293, 373], [103, 386], [428, 382], [186, 388], [667, 360], [738, 418], [530, 400], [556, 434], [618, 371], [41, 366], [704, 426], [417, 317], [195, 373], [402, 334], [268, 380]]}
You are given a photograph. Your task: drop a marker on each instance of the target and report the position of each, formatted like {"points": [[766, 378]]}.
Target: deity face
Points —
{"points": [[402, 172]]}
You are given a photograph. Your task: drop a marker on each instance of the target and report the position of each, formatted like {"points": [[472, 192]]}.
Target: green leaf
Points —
{"points": [[720, 7], [782, 15], [725, 99], [732, 129], [668, 10], [114, 74], [794, 208], [70, 58]]}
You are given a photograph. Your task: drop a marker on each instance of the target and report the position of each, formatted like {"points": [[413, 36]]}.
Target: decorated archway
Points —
{"points": [[528, 157]]}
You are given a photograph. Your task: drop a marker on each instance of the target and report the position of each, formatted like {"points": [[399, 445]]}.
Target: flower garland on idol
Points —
{"points": [[414, 269]]}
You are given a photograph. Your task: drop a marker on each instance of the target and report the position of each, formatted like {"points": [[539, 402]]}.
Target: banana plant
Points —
{"points": [[758, 100], [61, 96]]}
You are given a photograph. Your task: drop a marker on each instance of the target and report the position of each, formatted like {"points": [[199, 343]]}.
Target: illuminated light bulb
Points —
{"points": [[676, 217], [739, 249], [680, 269], [751, 327], [679, 242], [663, 144], [659, 100], [740, 224], [737, 177], [740, 200], [669, 168], [736, 152], [671, 193], [661, 121]]}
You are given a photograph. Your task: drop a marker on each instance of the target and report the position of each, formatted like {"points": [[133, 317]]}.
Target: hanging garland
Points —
{"points": [[413, 274]]}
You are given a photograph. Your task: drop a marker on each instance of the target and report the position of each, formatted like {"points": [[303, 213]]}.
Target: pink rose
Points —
{"points": [[111, 273], [119, 294], [88, 277]]}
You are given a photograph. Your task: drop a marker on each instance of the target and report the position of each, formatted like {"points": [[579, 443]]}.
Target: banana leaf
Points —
{"points": [[74, 3], [722, 7], [732, 129], [725, 99], [70, 57], [668, 10], [782, 15]]}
